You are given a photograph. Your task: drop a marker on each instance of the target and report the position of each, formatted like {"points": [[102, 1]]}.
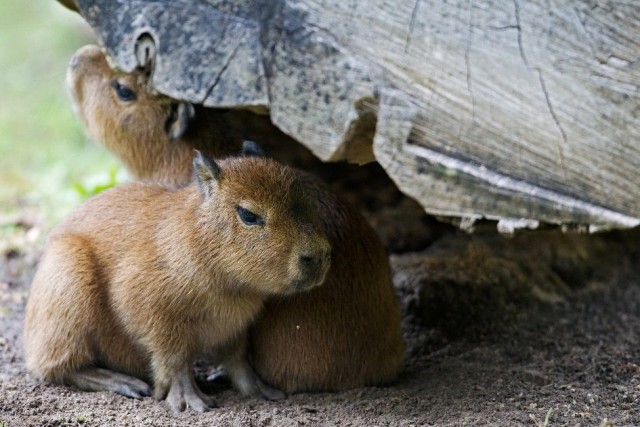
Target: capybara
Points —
{"points": [[146, 131], [140, 280], [153, 135]]}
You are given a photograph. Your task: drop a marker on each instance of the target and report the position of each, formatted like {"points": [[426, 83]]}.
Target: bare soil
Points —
{"points": [[541, 330]]}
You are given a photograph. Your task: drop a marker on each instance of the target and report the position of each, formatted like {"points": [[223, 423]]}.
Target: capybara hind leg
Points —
{"points": [[242, 375], [246, 381], [96, 379], [63, 312]]}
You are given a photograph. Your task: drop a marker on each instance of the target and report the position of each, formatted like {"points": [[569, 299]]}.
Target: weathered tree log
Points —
{"points": [[522, 111]]}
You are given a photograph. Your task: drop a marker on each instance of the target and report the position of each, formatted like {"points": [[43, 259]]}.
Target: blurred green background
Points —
{"points": [[47, 165]]}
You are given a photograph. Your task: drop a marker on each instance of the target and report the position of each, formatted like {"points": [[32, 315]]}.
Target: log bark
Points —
{"points": [[524, 111]]}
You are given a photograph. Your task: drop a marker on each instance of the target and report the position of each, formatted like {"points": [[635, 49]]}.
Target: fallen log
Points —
{"points": [[522, 111]]}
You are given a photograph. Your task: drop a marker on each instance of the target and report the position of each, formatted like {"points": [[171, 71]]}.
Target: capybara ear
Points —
{"points": [[252, 149], [145, 51], [207, 173], [178, 121]]}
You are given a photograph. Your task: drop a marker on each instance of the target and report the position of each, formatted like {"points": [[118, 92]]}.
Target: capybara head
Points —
{"points": [[116, 106], [273, 238]]}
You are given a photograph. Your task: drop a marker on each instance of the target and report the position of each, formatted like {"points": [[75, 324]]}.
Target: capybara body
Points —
{"points": [[342, 335], [142, 279]]}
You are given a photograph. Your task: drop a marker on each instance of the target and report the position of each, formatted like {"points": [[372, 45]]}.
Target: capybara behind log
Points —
{"points": [[342, 335], [143, 278], [154, 136]]}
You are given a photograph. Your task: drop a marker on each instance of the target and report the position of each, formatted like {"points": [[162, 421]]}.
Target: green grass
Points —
{"points": [[547, 417], [44, 156]]}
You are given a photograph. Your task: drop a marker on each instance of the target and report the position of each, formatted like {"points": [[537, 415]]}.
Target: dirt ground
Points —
{"points": [[488, 344]]}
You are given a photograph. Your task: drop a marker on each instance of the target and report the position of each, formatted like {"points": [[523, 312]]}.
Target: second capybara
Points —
{"points": [[153, 135], [148, 132], [342, 335], [143, 278]]}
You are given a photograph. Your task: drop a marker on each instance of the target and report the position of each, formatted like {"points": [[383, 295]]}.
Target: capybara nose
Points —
{"points": [[308, 260], [312, 269], [314, 260]]}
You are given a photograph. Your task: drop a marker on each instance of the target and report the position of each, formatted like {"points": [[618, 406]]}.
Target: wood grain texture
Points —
{"points": [[498, 109]]}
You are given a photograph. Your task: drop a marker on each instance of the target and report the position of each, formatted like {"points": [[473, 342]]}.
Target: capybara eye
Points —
{"points": [[248, 217], [123, 92]]}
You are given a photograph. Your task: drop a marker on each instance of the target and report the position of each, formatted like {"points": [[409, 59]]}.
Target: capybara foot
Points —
{"points": [[269, 392], [96, 379], [248, 383], [217, 375], [184, 393]]}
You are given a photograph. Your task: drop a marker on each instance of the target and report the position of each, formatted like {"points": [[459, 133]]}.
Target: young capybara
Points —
{"points": [[143, 278], [342, 335], [117, 108], [152, 135]]}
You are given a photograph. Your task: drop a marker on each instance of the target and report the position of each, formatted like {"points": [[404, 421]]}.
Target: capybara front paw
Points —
{"points": [[217, 374], [184, 394], [199, 403]]}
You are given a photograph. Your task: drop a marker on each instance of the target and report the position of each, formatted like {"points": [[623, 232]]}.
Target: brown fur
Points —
{"points": [[152, 135], [139, 132], [345, 334], [142, 279]]}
